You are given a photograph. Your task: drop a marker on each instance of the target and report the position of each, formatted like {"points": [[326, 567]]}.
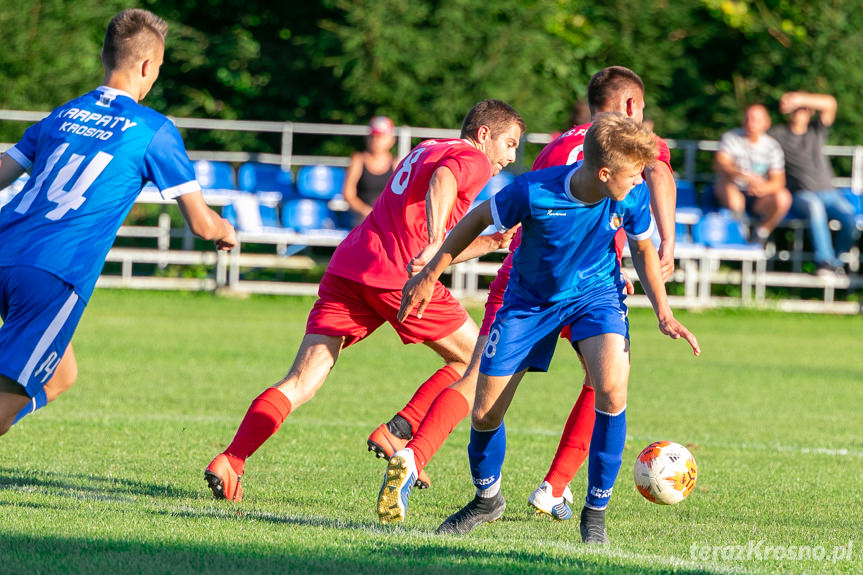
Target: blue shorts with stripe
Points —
{"points": [[40, 313], [524, 336]]}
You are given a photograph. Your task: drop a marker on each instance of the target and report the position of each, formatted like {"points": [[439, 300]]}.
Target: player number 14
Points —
{"points": [[70, 199]]}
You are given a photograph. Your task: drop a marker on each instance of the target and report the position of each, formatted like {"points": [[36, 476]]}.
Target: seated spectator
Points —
{"points": [[370, 170], [810, 176], [750, 173]]}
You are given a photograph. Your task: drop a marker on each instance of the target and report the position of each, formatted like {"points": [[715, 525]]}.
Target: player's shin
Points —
{"points": [[263, 418], [446, 412], [486, 451], [419, 404], [606, 455], [574, 443]]}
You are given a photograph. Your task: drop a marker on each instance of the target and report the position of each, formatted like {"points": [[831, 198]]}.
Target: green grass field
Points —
{"points": [[110, 477]]}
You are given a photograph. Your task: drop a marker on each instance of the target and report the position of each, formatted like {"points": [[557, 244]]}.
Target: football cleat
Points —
{"points": [[544, 503], [384, 444], [593, 527], [479, 510], [222, 480], [399, 478]]}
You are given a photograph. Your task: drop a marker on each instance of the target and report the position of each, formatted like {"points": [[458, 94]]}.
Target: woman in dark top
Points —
{"points": [[369, 170]]}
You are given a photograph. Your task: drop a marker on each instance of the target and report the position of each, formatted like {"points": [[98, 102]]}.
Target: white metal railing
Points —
{"points": [[405, 136]]}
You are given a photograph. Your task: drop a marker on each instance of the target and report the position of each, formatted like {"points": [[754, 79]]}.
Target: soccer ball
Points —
{"points": [[665, 472]]}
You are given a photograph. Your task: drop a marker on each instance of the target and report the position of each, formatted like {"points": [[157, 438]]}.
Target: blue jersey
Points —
{"points": [[566, 246], [88, 161]]}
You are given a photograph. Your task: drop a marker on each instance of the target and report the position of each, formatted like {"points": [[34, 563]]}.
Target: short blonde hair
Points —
{"points": [[132, 36], [615, 141]]}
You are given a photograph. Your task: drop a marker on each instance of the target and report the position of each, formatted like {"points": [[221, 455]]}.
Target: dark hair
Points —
{"points": [[132, 35], [608, 83], [497, 115]]}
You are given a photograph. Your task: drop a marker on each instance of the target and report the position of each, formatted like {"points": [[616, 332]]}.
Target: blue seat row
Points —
{"points": [[301, 206], [317, 182]]}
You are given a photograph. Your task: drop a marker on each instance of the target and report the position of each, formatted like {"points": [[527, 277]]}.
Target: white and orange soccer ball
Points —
{"points": [[665, 472]]}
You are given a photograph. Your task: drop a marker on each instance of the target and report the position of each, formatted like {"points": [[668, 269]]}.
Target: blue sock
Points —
{"points": [[37, 402], [606, 455], [486, 451]]}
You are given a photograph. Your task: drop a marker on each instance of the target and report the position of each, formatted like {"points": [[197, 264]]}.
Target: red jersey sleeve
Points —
{"points": [[663, 154]]}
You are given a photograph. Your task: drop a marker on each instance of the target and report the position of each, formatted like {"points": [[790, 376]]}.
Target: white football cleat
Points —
{"points": [[547, 504]]}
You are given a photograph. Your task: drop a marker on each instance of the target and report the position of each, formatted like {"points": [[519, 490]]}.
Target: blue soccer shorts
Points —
{"points": [[40, 313], [524, 336]]}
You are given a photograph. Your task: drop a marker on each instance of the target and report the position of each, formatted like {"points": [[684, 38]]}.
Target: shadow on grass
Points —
{"points": [[22, 554], [84, 485]]}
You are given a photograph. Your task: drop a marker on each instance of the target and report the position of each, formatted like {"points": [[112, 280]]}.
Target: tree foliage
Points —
{"points": [[425, 62]]}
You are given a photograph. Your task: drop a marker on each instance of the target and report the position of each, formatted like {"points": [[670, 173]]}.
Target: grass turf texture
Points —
{"points": [[110, 477]]}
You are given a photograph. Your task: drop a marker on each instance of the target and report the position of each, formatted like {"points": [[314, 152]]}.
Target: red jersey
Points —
{"points": [[377, 251], [567, 149]]}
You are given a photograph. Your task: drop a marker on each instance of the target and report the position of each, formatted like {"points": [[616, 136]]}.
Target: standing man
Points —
{"points": [[431, 190], [563, 275], [810, 176], [88, 161], [750, 173], [612, 89]]}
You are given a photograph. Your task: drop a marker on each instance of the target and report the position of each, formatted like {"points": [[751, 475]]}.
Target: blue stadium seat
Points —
{"points": [[248, 214], [856, 201], [320, 182], [687, 212], [305, 215], [686, 196], [721, 230], [214, 176], [266, 179], [494, 185]]}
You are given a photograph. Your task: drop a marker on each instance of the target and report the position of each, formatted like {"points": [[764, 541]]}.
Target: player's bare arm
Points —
{"points": [[417, 291], [663, 200], [205, 223], [9, 170], [440, 199], [646, 261]]}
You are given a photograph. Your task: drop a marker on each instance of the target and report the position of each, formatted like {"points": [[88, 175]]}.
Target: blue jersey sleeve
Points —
{"points": [[24, 152], [167, 165], [510, 206], [638, 223]]}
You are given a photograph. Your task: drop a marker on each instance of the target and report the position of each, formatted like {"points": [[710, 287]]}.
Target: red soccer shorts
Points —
{"points": [[354, 310]]}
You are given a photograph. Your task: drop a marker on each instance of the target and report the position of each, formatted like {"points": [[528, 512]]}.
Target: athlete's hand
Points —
{"points": [[629, 288], [414, 266], [229, 240], [416, 293], [666, 260], [676, 330], [504, 239], [420, 260]]}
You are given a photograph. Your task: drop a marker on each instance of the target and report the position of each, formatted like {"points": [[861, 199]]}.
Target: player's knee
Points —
{"points": [[611, 400], [483, 419]]}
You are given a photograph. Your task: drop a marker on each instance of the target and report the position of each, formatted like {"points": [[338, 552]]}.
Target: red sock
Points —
{"points": [[449, 408], [262, 420], [574, 443], [420, 403]]}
